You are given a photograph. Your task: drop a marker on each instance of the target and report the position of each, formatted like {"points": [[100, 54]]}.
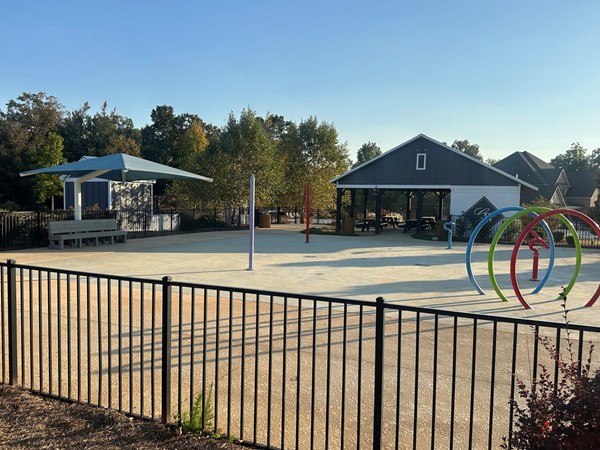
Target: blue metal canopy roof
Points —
{"points": [[118, 167]]}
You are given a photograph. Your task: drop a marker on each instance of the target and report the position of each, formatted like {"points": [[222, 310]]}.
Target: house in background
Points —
{"points": [[574, 190], [552, 183], [584, 191], [107, 194]]}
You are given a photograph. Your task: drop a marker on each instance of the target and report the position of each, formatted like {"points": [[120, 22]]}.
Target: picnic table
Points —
{"points": [[366, 224], [426, 222]]}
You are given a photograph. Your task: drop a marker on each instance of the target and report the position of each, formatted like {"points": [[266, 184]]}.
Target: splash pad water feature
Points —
{"points": [[538, 214]]}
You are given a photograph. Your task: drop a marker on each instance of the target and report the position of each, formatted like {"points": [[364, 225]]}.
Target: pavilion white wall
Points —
{"points": [[463, 197]]}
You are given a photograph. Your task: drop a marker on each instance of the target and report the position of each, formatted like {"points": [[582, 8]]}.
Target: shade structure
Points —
{"points": [[117, 167]]}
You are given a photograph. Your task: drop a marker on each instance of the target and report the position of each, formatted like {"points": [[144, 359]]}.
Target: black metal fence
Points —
{"points": [[278, 370], [19, 230], [561, 234]]}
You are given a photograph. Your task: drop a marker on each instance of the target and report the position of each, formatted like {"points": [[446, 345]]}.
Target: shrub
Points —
{"points": [[561, 416], [558, 236], [9, 206]]}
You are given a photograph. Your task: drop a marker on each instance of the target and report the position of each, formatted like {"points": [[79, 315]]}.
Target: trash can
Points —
{"points": [[265, 221], [347, 225]]}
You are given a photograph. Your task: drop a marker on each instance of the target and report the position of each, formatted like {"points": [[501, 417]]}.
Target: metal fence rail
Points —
{"points": [[561, 234], [279, 370]]}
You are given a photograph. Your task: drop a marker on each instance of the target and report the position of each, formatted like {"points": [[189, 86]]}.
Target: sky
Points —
{"points": [[506, 75]]}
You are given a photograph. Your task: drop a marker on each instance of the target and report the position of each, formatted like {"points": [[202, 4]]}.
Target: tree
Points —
{"points": [[108, 133], [24, 128], [164, 140], [574, 159], [191, 143], [192, 146], [275, 125], [74, 129], [159, 138], [595, 159], [246, 148], [467, 148], [368, 151], [50, 154], [313, 155], [104, 133]]}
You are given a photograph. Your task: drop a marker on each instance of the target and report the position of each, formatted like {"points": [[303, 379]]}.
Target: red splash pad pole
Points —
{"points": [[536, 254]]}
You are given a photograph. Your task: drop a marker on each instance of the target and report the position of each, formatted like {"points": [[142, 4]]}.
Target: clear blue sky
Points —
{"points": [[507, 75]]}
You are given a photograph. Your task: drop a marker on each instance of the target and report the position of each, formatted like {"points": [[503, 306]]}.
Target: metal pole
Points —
{"points": [[12, 322], [251, 224], [166, 350], [307, 218], [378, 382]]}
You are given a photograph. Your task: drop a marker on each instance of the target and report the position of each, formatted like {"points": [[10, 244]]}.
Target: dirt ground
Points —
{"points": [[29, 421]]}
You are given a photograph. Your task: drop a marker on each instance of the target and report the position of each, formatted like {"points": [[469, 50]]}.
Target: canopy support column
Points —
{"points": [[77, 201]]}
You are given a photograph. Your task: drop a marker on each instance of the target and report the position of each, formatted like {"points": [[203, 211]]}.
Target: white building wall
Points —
{"points": [[463, 197]]}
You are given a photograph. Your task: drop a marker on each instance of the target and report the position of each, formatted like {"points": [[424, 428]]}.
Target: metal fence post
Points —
{"points": [[378, 382], [12, 322], [145, 232], [166, 350]]}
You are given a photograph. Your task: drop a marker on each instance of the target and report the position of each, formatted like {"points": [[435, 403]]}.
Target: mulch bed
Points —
{"points": [[28, 421]]}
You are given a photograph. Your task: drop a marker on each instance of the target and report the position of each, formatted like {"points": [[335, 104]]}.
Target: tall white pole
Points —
{"points": [[251, 225], [77, 198]]}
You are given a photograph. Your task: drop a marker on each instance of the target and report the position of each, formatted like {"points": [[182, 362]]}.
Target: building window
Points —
{"points": [[421, 161]]}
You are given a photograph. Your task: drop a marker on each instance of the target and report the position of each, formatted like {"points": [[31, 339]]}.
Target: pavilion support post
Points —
{"points": [[352, 203], [338, 210], [441, 196], [409, 196], [366, 203], [378, 211], [420, 195]]}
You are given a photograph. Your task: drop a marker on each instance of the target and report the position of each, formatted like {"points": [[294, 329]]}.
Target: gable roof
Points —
{"points": [[532, 169], [446, 166], [583, 183]]}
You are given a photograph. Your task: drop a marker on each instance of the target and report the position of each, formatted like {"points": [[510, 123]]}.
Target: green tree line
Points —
{"points": [[36, 130]]}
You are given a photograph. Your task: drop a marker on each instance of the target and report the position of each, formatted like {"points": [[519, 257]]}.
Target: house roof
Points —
{"points": [[532, 169], [445, 167], [583, 183], [537, 172]]}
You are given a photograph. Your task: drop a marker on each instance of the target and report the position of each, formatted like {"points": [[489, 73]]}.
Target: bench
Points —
{"points": [[82, 231]]}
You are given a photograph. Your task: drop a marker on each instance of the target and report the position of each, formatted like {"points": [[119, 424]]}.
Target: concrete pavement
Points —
{"points": [[392, 264]]}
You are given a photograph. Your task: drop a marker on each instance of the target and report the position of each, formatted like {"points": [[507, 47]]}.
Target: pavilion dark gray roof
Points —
{"points": [[445, 167]]}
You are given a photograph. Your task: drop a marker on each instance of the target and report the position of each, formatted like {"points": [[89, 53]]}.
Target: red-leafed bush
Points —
{"points": [[559, 416]]}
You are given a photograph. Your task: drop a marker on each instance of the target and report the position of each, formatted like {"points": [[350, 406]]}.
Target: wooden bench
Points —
{"points": [[82, 231]]}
